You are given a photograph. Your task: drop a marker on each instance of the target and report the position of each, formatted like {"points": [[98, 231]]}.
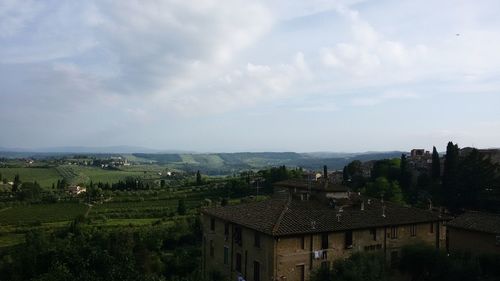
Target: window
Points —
{"points": [[348, 239], [394, 258], [301, 272], [238, 237], [373, 247], [373, 233], [324, 241], [256, 271], [394, 232], [212, 224], [256, 240], [302, 242], [212, 248], [226, 255], [431, 230], [413, 230], [238, 262]]}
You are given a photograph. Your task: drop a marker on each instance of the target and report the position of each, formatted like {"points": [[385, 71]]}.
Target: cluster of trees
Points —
{"points": [[275, 174], [130, 183], [471, 181], [419, 262], [385, 181], [468, 181], [81, 253]]}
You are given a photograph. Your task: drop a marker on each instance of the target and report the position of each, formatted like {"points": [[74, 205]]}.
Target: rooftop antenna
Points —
{"points": [[313, 224]]}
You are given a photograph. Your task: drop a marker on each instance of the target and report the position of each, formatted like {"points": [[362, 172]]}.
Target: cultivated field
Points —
{"points": [[44, 176]]}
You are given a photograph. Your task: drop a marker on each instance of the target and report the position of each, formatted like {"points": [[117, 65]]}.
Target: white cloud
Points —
{"points": [[387, 96]]}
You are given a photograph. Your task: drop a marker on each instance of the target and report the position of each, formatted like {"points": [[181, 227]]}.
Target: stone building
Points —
{"points": [[482, 228], [305, 226]]}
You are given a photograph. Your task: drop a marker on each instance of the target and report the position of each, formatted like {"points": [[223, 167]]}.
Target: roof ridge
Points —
{"points": [[282, 214]]}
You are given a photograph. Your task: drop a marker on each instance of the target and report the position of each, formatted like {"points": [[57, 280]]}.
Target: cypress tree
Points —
{"points": [[405, 178], [450, 176], [198, 177], [436, 164]]}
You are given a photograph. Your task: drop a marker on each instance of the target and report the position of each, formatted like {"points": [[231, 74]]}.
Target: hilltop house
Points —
{"points": [[482, 228], [306, 225], [76, 189]]}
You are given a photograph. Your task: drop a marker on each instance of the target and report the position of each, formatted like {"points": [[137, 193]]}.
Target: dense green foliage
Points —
{"points": [[77, 253], [358, 267], [424, 263], [418, 262], [468, 181]]}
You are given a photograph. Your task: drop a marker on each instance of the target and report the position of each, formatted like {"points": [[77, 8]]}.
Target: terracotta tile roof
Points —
{"points": [[477, 221], [280, 217]]}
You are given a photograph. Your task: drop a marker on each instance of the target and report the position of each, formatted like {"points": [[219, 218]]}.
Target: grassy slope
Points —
{"points": [[41, 213], [44, 176]]}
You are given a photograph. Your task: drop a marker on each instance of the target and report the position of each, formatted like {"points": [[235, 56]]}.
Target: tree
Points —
{"points": [[198, 178], [381, 187], [345, 174], [450, 176], [436, 165], [406, 180], [181, 207], [16, 183]]}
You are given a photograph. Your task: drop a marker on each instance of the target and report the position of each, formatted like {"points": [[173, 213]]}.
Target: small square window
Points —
{"points": [[348, 239], [413, 230], [394, 232], [373, 233], [212, 224], [302, 242], [212, 248], [256, 240], [238, 262], [226, 255]]}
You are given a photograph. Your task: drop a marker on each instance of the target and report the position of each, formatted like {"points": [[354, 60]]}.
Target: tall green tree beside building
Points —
{"points": [[450, 176], [436, 165]]}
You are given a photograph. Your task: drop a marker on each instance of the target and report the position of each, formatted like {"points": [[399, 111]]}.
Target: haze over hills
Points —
{"points": [[210, 163]]}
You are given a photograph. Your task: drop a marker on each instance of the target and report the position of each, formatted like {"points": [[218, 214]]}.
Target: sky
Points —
{"points": [[238, 75]]}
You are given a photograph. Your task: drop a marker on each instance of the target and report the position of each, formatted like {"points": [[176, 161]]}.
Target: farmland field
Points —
{"points": [[25, 214], [44, 176]]}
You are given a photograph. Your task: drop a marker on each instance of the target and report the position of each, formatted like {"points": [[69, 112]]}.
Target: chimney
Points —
{"points": [[325, 172], [338, 217], [363, 205], [430, 204], [383, 211]]}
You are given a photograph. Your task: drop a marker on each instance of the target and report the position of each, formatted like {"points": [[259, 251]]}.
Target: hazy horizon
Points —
{"points": [[235, 75]]}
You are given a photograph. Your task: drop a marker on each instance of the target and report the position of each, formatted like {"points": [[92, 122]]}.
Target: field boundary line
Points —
{"points": [[5, 209]]}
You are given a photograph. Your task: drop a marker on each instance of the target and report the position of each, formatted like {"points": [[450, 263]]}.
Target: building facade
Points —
{"points": [[290, 235], [482, 228]]}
